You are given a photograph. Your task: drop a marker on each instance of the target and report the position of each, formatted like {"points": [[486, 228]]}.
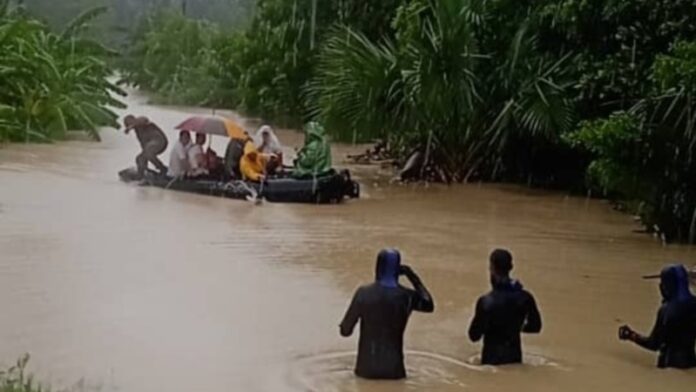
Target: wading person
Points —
{"points": [[152, 140], [503, 314], [383, 309], [674, 333], [178, 158]]}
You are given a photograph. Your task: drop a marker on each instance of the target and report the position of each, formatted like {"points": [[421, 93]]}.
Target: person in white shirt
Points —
{"points": [[197, 158], [178, 160]]}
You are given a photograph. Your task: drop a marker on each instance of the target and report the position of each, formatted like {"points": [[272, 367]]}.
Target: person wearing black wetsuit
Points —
{"points": [[383, 309], [503, 314], [674, 333]]}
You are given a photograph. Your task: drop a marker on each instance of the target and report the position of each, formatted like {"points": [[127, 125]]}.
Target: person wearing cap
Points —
{"points": [[383, 309], [503, 314], [153, 142], [674, 333]]}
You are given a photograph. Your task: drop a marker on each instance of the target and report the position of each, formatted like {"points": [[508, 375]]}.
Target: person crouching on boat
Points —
{"points": [[383, 309], [674, 333], [153, 142], [179, 159], [314, 158], [253, 164], [197, 159]]}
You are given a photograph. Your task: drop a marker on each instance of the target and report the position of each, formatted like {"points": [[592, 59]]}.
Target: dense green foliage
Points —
{"points": [[172, 56], [647, 153], [51, 83]]}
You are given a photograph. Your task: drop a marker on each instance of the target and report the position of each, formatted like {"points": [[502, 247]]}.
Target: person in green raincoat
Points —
{"points": [[314, 159]]}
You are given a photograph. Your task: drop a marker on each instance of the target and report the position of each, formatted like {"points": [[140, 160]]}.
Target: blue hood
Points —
{"points": [[388, 267], [674, 283]]}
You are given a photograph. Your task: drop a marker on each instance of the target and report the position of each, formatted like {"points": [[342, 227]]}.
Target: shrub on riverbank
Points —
{"points": [[646, 154], [51, 83], [16, 379]]}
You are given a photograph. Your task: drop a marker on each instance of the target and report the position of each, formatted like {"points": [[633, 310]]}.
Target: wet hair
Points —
{"points": [[501, 261]]}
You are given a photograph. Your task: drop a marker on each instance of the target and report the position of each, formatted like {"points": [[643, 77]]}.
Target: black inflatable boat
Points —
{"points": [[331, 188]]}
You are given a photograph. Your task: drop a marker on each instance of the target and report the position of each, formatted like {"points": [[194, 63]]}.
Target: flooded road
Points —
{"points": [[139, 289]]}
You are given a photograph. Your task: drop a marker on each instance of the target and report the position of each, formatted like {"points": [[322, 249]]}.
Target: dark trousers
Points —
{"points": [[150, 151]]}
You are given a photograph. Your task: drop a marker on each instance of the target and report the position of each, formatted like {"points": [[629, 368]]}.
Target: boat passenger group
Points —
{"points": [[247, 158], [383, 307]]}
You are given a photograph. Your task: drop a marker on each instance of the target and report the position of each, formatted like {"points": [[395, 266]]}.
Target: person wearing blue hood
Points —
{"points": [[383, 309], [674, 333], [503, 314]]}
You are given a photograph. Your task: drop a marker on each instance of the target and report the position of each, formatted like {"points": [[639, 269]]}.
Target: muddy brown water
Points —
{"points": [[140, 289]]}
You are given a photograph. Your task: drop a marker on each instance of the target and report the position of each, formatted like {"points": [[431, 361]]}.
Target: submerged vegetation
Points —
{"points": [[16, 379], [51, 83]]}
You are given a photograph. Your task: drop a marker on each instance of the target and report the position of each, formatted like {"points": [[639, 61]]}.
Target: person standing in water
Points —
{"points": [[383, 309], [153, 142], [503, 314], [674, 333]]}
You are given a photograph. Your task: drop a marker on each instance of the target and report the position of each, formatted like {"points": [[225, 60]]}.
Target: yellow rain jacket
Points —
{"points": [[253, 163]]}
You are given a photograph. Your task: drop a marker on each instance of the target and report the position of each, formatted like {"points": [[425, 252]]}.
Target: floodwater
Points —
{"points": [[137, 289]]}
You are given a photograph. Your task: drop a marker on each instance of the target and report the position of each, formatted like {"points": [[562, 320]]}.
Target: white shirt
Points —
{"points": [[178, 160], [194, 154]]}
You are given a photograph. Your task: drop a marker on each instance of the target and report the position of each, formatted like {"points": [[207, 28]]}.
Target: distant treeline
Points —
{"points": [[122, 15]]}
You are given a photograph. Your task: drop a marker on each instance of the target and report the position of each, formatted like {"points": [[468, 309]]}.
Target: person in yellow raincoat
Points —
{"points": [[253, 164]]}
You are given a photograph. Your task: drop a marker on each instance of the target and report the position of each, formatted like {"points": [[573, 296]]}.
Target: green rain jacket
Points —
{"points": [[314, 159]]}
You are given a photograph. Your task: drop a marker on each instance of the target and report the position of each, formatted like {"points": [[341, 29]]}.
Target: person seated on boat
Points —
{"points": [[233, 156], [253, 164], [198, 165], [674, 333], [214, 164], [178, 160], [267, 143], [383, 308], [314, 158]]}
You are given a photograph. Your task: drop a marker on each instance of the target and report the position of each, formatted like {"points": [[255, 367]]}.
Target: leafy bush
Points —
{"points": [[443, 77], [51, 83], [647, 155]]}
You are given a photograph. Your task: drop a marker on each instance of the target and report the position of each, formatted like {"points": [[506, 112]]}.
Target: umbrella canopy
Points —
{"points": [[213, 125]]}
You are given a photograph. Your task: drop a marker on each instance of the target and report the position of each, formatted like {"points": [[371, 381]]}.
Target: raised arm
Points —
{"points": [[423, 301], [352, 316]]}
